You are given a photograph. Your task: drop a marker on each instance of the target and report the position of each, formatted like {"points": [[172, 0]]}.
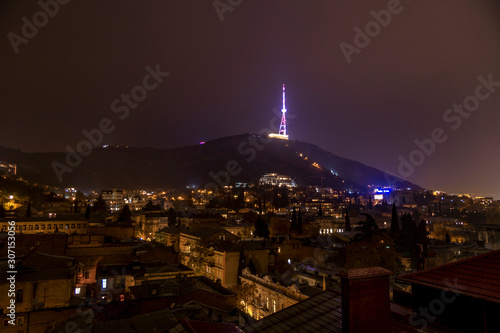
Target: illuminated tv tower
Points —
{"points": [[282, 133], [283, 119]]}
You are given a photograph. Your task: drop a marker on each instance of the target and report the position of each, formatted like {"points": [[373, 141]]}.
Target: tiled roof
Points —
{"points": [[194, 326], [477, 277], [320, 314], [158, 321], [202, 232], [225, 246], [39, 260], [174, 230]]}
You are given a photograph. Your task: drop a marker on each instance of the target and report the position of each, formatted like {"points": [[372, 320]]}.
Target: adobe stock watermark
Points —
{"points": [[223, 6], [248, 149], [436, 307], [372, 29], [29, 30], [121, 106], [454, 118]]}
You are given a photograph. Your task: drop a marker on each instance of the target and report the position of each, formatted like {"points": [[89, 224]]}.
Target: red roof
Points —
{"points": [[477, 277]]}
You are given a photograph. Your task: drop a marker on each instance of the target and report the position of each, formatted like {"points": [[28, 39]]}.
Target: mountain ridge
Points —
{"points": [[238, 158]]}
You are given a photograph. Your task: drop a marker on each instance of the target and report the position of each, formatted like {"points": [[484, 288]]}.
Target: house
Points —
{"points": [[202, 236], [37, 225], [42, 281], [170, 236], [264, 296]]}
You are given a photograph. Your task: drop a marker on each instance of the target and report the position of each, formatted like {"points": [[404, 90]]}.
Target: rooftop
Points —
{"points": [[477, 277], [194, 326], [320, 314], [202, 232]]}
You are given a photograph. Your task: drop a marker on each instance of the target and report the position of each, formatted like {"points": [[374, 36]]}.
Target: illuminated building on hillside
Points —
{"points": [[8, 168], [277, 180]]}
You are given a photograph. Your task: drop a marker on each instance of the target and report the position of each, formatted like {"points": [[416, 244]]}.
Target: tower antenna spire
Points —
{"points": [[282, 133], [283, 118]]}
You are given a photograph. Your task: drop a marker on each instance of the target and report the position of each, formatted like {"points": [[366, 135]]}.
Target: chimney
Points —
{"points": [[366, 300]]}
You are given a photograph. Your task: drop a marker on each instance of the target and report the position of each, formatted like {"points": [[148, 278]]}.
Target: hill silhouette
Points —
{"points": [[240, 158]]}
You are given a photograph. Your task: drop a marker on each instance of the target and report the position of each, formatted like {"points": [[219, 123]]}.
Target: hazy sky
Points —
{"points": [[225, 78]]}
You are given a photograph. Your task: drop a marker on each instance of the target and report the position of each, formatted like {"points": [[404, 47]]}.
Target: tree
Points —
{"points": [[370, 204], [300, 228], [246, 295], [150, 207], [100, 206], [294, 225], [87, 212], [408, 239], [197, 257], [375, 250], [261, 228], [367, 227], [280, 199], [448, 238], [28, 209], [423, 236], [76, 208], [172, 217], [320, 211], [347, 226], [394, 221], [125, 214], [239, 203], [80, 196], [2, 211]]}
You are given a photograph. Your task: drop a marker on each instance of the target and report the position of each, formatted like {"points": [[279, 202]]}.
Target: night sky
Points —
{"points": [[225, 78]]}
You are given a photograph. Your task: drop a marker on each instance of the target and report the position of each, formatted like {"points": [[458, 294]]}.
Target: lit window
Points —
{"points": [[104, 283], [66, 226], [77, 291]]}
